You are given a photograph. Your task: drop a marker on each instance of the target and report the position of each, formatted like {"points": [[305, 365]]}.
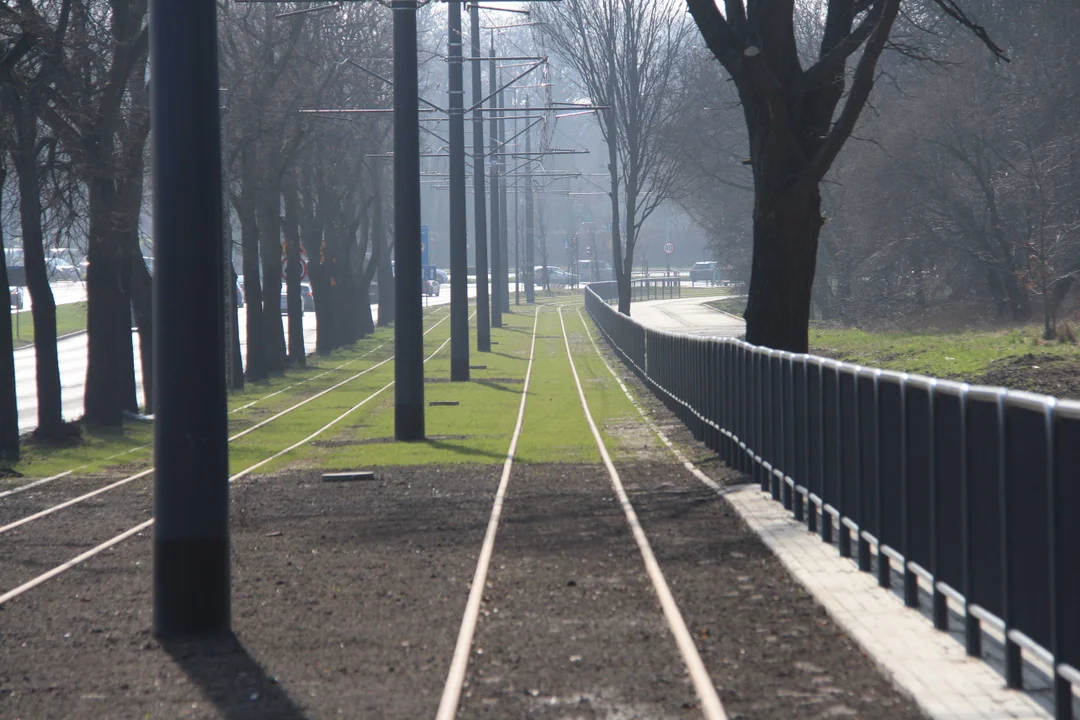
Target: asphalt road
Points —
{"points": [[72, 355]]}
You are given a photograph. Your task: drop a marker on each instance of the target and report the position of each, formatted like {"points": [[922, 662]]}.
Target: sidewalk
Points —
{"points": [[687, 315]]}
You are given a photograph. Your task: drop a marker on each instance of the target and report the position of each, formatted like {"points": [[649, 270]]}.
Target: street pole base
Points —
{"points": [[191, 588], [459, 369], [408, 423]]}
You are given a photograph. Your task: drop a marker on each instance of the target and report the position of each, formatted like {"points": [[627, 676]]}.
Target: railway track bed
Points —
{"points": [[352, 599]]}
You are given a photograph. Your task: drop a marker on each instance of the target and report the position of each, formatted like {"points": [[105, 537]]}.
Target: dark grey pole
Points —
{"points": [[517, 236], [497, 274], [191, 454], [483, 318], [409, 320], [530, 282], [459, 254], [504, 276]]}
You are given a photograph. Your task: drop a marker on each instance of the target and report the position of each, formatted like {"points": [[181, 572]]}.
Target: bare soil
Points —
{"points": [[347, 599], [1041, 373]]}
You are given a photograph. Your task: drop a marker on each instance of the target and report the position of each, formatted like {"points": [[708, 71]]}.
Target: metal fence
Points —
{"points": [[974, 491], [658, 288]]}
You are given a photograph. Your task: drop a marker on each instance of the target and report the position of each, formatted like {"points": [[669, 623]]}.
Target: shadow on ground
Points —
{"points": [[232, 680]]}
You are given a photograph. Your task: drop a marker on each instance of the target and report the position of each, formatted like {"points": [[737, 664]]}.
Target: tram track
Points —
{"points": [[708, 699], [146, 473], [253, 403], [135, 530]]}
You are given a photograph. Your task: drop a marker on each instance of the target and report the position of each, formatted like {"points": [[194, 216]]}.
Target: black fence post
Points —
{"points": [[947, 522], [848, 501], [1064, 532], [802, 434], [787, 489], [869, 490]]}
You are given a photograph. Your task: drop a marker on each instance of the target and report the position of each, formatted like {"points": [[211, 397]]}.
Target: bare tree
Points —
{"points": [[627, 55], [797, 127]]}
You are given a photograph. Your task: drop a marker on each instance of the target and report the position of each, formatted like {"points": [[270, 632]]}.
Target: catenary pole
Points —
{"points": [[504, 214], [191, 592], [408, 325], [530, 239], [497, 273], [483, 318], [459, 255]]}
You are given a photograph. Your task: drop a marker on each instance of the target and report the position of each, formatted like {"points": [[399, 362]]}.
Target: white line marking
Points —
{"points": [[74, 501], [448, 705], [142, 526], [710, 701]]}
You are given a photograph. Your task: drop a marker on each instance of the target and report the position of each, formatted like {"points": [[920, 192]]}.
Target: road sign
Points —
{"points": [[303, 268], [669, 248], [425, 246]]}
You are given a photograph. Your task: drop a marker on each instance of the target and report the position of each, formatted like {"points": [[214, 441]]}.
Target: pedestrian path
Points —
{"points": [[688, 315], [928, 665]]}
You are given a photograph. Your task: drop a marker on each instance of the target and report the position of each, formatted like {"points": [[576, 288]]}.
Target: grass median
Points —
{"points": [[465, 422], [70, 318]]}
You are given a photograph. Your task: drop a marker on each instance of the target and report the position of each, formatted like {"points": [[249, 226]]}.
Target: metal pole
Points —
{"points": [[226, 241], [517, 239], [408, 325], [483, 319], [530, 282], [191, 456], [459, 253], [504, 216], [496, 244]]}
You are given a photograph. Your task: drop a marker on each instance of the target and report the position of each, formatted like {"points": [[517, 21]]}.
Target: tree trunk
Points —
{"points": [[110, 382], [9, 408], [47, 367], [622, 280], [270, 254], [787, 223], [249, 244], [140, 287], [292, 279]]}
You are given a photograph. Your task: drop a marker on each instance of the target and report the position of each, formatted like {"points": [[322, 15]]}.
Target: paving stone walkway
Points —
{"points": [[927, 664]]}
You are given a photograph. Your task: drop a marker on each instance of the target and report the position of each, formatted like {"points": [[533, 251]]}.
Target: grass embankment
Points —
{"points": [[129, 448], [69, 318], [733, 306], [1011, 357], [476, 430]]}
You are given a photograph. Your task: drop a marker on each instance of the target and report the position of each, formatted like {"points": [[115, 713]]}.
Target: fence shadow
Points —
{"points": [[232, 680]]}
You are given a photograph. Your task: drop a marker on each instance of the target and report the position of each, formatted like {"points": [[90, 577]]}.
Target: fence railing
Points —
{"points": [[974, 491], [658, 288]]}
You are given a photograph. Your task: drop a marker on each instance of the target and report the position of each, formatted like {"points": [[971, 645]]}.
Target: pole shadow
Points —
{"points": [[231, 679]]}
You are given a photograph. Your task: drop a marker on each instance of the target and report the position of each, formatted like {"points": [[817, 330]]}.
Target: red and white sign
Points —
{"points": [[303, 268], [669, 248]]}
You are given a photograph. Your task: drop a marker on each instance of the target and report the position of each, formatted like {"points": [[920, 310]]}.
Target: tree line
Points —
{"points": [[74, 130]]}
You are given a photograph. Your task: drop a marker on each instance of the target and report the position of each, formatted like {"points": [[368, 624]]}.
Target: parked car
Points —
{"points": [[704, 271], [593, 271], [305, 295], [431, 288], [548, 275], [441, 276], [15, 298]]}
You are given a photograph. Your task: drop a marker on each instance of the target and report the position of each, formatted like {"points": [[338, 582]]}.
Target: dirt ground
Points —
{"points": [[1041, 373], [347, 599]]}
